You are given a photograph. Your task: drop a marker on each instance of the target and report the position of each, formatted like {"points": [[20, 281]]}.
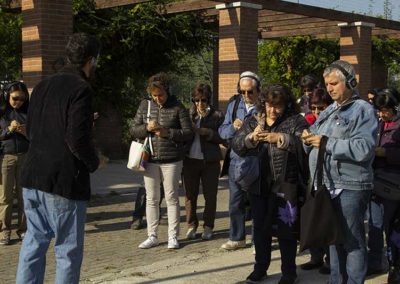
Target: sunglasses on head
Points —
{"points": [[248, 92], [200, 100], [18, 99], [318, 108]]}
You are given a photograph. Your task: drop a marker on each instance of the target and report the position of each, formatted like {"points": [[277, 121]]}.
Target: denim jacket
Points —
{"points": [[351, 133], [226, 130]]}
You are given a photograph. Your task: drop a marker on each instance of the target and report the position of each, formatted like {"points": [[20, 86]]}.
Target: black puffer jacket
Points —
{"points": [[272, 158], [13, 142], [210, 145], [172, 115]]}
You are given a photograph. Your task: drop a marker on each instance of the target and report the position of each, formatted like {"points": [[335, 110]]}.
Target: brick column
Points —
{"points": [[380, 75], [215, 74], [356, 48], [46, 25], [238, 37]]}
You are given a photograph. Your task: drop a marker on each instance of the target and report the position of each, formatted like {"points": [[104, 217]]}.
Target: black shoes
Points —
{"points": [[311, 265], [373, 271], [256, 277], [288, 280], [325, 269], [394, 275]]}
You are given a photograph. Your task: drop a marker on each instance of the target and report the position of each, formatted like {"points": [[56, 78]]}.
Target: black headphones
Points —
{"points": [[7, 88], [351, 81], [251, 75]]}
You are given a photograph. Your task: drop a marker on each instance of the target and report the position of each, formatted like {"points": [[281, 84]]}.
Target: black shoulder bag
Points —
{"points": [[319, 222]]}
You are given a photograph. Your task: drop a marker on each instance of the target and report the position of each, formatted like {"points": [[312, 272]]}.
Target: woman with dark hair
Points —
{"points": [[14, 143], [273, 135], [307, 84], [165, 121], [387, 159], [320, 99], [202, 161]]}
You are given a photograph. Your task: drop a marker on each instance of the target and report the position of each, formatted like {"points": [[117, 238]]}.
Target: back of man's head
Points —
{"points": [[80, 48]]}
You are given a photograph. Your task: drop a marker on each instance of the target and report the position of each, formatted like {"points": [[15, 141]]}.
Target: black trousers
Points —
{"points": [[262, 209]]}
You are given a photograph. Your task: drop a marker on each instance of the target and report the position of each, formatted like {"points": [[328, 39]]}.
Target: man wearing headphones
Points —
{"points": [[349, 126], [238, 109]]}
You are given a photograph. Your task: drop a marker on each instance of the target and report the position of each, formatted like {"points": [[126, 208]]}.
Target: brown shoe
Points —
{"points": [[234, 245]]}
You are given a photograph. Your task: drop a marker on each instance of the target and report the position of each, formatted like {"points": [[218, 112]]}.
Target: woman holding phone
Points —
{"points": [[273, 135], [169, 128], [14, 144]]}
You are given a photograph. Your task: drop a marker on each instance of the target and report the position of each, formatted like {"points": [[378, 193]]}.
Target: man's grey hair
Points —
{"points": [[345, 65]]}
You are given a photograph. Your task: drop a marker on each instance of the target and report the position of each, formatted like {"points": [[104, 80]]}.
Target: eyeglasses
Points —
{"points": [[16, 99], [248, 92], [307, 91], [318, 107], [200, 100]]}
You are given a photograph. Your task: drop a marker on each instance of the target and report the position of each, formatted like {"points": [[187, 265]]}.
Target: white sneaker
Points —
{"points": [[150, 242], [191, 233], [173, 243], [207, 234]]}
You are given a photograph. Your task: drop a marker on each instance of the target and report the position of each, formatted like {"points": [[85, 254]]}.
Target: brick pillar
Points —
{"points": [[238, 37], [380, 75], [356, 48], [46, 25], [215, 74]]}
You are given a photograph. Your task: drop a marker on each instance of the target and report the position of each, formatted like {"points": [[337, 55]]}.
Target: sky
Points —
{"points": [[368, 7]]}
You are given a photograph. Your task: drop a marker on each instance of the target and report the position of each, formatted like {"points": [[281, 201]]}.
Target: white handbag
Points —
{"points": [[139, 153]]}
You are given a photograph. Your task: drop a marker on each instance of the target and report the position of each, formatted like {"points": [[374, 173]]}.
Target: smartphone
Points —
{"points": [[307, 134]]}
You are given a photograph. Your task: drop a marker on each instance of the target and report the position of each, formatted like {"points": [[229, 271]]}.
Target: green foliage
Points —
{"points": [[286, 60], [10, 46], [387, 51], [138, 42], [190, 69]]}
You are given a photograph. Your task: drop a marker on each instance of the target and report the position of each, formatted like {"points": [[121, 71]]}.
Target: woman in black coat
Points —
{"points": [[202, 162], [166, 124], [273, 135]]}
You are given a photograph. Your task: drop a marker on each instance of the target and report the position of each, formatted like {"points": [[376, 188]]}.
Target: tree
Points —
{"points": [[286, 60], [10, 45], [387, 9], [136, 43]]}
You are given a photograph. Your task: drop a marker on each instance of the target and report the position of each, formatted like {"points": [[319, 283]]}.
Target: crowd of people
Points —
{"points": [[268, 130], [47, 154]]}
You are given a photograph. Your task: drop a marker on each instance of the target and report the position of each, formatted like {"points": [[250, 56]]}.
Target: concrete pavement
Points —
{"points": [[111, 253]]}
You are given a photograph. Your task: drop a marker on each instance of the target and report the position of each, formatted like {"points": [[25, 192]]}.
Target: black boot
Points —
{"points": [[394, 275]]}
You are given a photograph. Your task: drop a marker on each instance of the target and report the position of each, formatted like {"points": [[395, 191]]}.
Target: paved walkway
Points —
{"points": [[112, 256]]}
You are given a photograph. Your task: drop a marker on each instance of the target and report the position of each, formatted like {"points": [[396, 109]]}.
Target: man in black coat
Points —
{"points": [[55, 177]]}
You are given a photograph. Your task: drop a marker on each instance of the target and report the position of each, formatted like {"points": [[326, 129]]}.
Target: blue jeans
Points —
{"points": [[349, 260], [51, 216], [375, 233], [237, 209]]}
